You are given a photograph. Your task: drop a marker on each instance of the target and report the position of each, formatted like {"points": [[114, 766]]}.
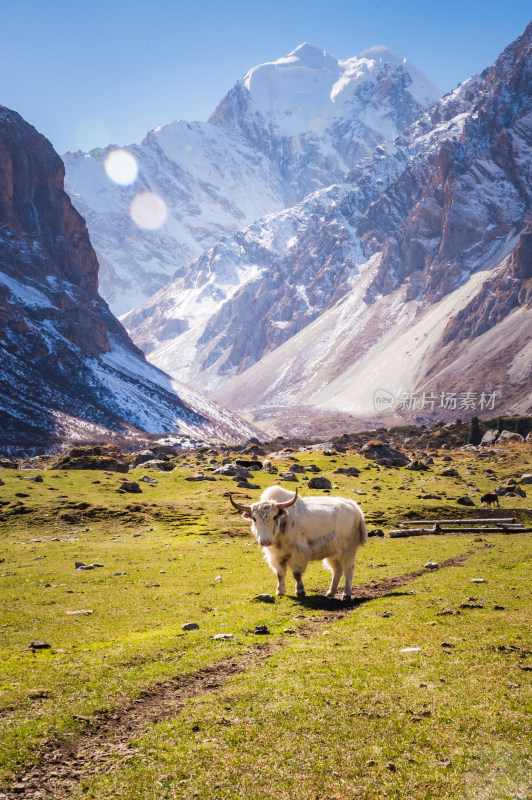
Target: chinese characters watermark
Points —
{"points": [[432, 401]]}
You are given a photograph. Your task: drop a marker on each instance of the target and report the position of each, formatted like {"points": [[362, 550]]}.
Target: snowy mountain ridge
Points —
{"points": [[67, 366], [286, 129], [429, 234]]}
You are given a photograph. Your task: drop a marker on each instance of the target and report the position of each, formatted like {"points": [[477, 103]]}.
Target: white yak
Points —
{"points": [[294, 530]]}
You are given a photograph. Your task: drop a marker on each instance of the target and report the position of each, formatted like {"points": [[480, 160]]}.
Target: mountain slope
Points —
{"points": [[67, 366], [431, 232], [287, 128]]}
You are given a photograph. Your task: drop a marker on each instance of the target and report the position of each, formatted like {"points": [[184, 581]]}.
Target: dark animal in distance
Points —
{"points": [[490, 499]]}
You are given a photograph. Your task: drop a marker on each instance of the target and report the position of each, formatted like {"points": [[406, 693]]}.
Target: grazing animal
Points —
{"points": [[294, 530], [490, 499]]}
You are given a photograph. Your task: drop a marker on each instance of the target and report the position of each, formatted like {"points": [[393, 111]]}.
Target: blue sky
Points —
{"points": [[92, 74]]}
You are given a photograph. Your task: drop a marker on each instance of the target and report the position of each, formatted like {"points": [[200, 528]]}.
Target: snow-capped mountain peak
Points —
{"points": [[286, 129]]}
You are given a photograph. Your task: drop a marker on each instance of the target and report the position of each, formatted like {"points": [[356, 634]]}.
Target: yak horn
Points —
{"points": [[289, 502], [240, 507]]}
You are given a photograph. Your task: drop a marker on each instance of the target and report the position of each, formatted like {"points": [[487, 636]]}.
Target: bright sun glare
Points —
{"points": [[121, 167], [148, 210]]}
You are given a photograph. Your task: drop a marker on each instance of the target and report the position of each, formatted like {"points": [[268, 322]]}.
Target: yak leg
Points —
{"points": [[349, 567], [336, 568], [279, 567], [297, 573], [281, 583], [300, 589]]}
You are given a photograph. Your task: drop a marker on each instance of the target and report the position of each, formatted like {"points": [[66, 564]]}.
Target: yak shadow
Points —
{"points": [[318, 602]]}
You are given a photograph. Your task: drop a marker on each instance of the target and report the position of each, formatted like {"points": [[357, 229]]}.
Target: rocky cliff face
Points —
{"points": [[446, 212], [286, 129], [66, 364], [429, 235]]}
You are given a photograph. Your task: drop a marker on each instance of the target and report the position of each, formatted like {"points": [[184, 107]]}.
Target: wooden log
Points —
{"points": [[508, 520], [405, 532]]}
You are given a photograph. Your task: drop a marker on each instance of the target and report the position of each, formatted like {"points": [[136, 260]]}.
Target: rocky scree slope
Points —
{"points": [[423, 248], [286, 129], [67, 366]]}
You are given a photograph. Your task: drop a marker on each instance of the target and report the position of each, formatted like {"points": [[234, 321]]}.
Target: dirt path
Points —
{"points": [[62, 764]]}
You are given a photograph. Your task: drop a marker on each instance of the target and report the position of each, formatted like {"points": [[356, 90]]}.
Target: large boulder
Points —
{"points": [[490, 437], [509, 436], [106, 457], [233, 471], [384, 454], [143, 456]]}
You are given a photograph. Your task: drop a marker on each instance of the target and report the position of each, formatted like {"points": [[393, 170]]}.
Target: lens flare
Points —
{"points": [[121, 167], [148, 211]]}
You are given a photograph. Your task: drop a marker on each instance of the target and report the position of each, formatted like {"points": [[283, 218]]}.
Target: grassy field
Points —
{"points": [[331, 703]]}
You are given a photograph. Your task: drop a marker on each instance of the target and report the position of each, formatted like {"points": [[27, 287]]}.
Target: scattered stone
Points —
{"points": [[290, 476], [416, 465], [247, 485], [391, 766], [478, 580], [190, 626], [82, 611], [218, 579], [465, 500], [264, 598], [411, 650], [376, 532], [222, 637], [199, 476], [147, 479], [446, 644], [451, 473], [157, 463], [262, 630], [353, 472], [320, 483], [233, 470], [431, 565], [39, 646], [526, 478], [33, 478], [131, 486]]}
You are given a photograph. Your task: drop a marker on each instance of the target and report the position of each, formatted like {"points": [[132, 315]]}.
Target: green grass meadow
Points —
{"points": [[334, 711]]}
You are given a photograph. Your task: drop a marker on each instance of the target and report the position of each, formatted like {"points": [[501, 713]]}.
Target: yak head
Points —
{"points": [[265, 517]]}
